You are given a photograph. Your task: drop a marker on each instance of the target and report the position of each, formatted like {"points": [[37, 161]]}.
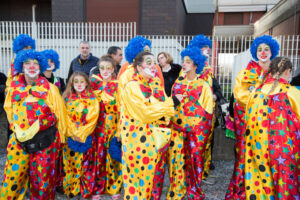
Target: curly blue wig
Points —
{"points": [[200, 41], [196, 55], [273, 44], [52, 55], [135, 46], [22, 41], [24, 55]]}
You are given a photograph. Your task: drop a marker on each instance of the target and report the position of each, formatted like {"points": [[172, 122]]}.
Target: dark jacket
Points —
{"points": [[296, 80], [83, 65], [170, 77], [2, 90], [61, 86]]}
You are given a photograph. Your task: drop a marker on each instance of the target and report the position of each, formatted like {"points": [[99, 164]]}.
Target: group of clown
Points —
{"points": [[104, 132]]}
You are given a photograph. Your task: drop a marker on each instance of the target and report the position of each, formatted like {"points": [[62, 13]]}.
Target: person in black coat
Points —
{"points": [[296, 80], [169, 69]]}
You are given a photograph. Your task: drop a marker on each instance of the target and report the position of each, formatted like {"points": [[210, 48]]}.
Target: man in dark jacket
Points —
{"points": [[85, 61], [296, 80]]}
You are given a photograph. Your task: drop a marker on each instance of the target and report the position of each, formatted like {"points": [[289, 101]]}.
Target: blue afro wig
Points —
{"points": [[200, 41], [24, 55], [274, 46], [135, 46], [196, 55], [52, 55], [22, 41]]}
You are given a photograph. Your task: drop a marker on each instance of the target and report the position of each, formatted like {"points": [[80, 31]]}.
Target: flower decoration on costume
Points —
{"points": [[200, 41], [23, 56], [273, 44], [52, 55], [135, 46], [196, 55], [22, 41]]}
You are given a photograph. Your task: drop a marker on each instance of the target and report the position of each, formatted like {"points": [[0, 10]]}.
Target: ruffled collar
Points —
{"points": [[110, 87], [147, 88], [86, 94], [21, 90], [271, 79], [253, 72]]}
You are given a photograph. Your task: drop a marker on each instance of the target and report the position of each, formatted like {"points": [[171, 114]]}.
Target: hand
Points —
{"points": [[179, 96], [118, 139], [214, 97], [77, 139]]}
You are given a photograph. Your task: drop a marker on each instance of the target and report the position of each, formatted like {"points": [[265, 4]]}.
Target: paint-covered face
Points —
{"points": [[263, 52], [162, 60], [188, 64], [205, 51], [79, 84], [51, 65], [148, 66], [106, 69], [31, 68], [146, 48]]}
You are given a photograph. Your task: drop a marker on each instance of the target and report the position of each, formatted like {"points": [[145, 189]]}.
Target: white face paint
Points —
{"points": [[149, 72], [51, 67], [206, 51], [79, 84], [263, 52], [187, 65], [106, 69], [31, 68], [30, 73]]}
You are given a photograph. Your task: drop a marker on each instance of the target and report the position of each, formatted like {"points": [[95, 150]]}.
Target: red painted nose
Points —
{"points": [[263, 53], [32, 67]]}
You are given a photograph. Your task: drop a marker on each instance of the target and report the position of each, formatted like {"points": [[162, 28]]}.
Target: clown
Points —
{"points": [[21, 42], [53, 61], [264, 49], [134, 47], [105, 86], [79, 151], [143, 103], [36, 114], [191, 127]]}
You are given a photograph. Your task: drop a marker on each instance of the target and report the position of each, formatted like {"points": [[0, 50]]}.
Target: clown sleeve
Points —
{"points": [[91, 121], [57, 106], [206, 98], [140, 108], [294, 98], [8, 106], [241, 91]]}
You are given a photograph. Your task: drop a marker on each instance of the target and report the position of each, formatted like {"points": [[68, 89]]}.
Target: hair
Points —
{"points": [[273, 44], [22, 41], [168, 57], [139, 59], [70, 88], [84, 42], [196, 55], [113, 50], [108, 58], [135, 46], [200, 41], [24, 55], [52, 55], [277, 67]]}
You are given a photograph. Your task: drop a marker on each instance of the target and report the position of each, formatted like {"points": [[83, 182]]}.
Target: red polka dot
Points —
{"points": [[138, 149], [253, 118], [148, 190], [267, 190], [22, 125], [256, 183], [125, 177], [258, 191], [131, 190], [131, 165], [146, 160], [131, 128], [130, 157]]}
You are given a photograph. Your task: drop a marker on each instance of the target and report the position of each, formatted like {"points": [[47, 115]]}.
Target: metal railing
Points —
{"points": [[65, 38]]}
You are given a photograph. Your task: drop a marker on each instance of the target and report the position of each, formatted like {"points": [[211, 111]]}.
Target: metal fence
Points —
{"points": [[65, 38]]}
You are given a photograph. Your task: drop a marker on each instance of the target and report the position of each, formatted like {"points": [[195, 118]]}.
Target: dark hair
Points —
{"points": [[277, 67], [139, 59], [108, 58], [113, 50]]}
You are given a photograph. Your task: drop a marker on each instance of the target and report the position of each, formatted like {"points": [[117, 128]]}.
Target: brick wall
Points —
{"points": [[68, 10]]}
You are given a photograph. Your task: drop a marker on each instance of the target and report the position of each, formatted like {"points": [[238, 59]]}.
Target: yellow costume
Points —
{"points": [[141, 108]]}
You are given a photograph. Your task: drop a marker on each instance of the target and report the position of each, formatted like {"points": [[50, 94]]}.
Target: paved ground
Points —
{"points": [[222, 173]]}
